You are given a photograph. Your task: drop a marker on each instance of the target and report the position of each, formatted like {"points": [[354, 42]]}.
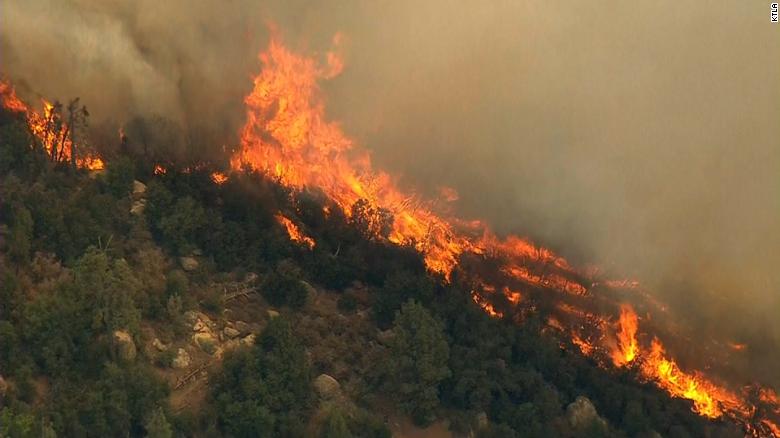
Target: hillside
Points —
{"points": [[150, 299]]}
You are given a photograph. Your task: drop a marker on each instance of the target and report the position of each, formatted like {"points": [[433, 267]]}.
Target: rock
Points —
{"points": [[3, 388], [139, 189], [311, 292], [138, 207], [326, 386], [125, 347], [205, 341], [385, 337], [581, 413], [157, 343], [242, 327], [231, 344], [197, 252], [248, 340], [250, 277], [272, 313], [188, 263], [182, 359], [200, 327], [231, 333], [482, 420]]}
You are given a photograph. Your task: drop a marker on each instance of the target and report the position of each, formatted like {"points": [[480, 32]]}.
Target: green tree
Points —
{"points": [[418, 361], [265, 391], [20, 240], [181, 224], [119, 176], [157, 425], [336, 426]]}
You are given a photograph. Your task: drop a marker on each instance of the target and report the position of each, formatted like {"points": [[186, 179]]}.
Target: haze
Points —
{"points": [[643, 137]]}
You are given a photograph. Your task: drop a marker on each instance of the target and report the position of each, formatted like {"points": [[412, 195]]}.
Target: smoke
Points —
{"points": [[178, 64], [642, 137]]}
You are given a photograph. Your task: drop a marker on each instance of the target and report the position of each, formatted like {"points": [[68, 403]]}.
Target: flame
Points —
{"points": [[485, 305], [627, 345], [219, 178], [708, 398], [53, 134], [160, 170], [287, 136], [294, 232]]}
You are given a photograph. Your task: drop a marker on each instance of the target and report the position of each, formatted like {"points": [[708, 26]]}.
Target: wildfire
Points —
{"points": [[54, 134], [627, 345], [219, 178], [294, 232], [287, 136]]}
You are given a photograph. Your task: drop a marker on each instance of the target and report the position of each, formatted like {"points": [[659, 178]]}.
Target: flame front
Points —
{"points": [[294, 232], [627, 344], [52, 134], [287, 136]]}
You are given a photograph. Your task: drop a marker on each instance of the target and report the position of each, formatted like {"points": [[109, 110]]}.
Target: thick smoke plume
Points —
{"points": [[643, 137]]}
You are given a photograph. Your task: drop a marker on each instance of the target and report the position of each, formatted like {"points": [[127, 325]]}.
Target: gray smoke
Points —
{"points": [[641, 136]]}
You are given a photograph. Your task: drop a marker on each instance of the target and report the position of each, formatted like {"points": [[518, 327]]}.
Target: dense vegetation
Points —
{"points": [[78, 270]]}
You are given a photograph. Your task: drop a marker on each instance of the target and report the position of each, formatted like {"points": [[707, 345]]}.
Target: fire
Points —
{"points": [[219, 178], [708, 398], [294, 232], [53, 133], [287, 137], [627, 345], [486, 305]]}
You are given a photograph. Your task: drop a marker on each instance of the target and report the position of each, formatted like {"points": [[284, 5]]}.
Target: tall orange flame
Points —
{"points": [[294, 232], [54, 141], [288, 137], [627, 345]]}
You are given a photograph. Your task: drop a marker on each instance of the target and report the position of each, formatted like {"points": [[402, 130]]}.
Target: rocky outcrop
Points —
{"points": [[139, 189], [582, 414], [182, 359], [482, 420], [242, 327], [248, 340], [205, 341], [311, 292], [125, 347], [189, 264], [3, 388], [138, 207], [230, 332], [157, 344], [327, 387]]}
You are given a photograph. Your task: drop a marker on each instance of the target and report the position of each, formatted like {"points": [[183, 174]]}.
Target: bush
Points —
{"points": [[284, 287], [347, 304]]}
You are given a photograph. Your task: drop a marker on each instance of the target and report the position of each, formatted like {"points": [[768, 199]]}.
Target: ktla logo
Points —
{"points": [[773, 13]]}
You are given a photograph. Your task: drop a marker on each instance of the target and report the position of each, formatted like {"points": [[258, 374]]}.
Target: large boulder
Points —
{"points": [[248, 340], [205, 341], [482, 420], [138, 207], [230, 332], [125, 347], [182, 359], [242, 327], [188, 263], [582, 414], [3, 388], [157, 344], [139, 189], [311, 292], [326, 386]]}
